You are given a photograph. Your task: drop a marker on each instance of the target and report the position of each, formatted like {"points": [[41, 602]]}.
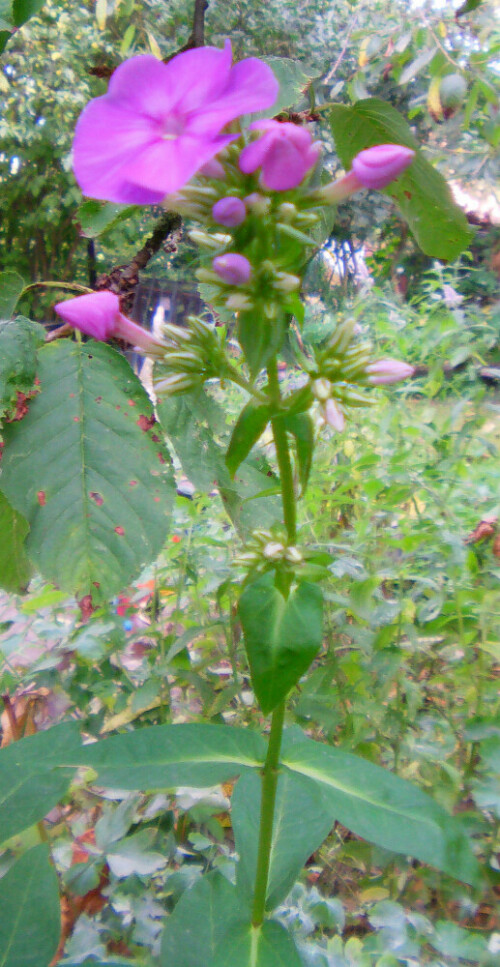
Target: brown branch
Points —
{"points": [[123, 279]]}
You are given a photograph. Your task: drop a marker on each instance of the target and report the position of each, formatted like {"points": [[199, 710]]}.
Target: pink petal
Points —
{"points": [[106, 137], [251, 86], [94, 314], [142, 85], [167, 166], [284, 166], [252, 157], [199, 76]]}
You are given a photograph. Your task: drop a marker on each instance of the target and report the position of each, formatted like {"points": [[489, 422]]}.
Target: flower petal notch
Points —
{"points": [[160, 123], [98, 315], [285, 154]]}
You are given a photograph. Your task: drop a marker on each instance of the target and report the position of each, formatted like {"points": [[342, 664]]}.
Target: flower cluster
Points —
{"points": [[160, 135]]}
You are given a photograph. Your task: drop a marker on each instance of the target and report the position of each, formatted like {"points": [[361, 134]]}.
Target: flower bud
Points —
{"points": [[334, 416], [286, 282], [257, 203], [176, 383], [212, 169], [97, 314], [210, 242], [238, 302], [321, 389], [229, 211], [293, 555], [287, 212], [234, 269], [273, 551], [388, 371], [376, 167]]}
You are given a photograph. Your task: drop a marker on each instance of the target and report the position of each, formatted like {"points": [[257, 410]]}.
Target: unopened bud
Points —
{"points": [[388, 371], [286, 282], [176, 383], [210, 242], [229, 211], [321, 389], [184, 361], [287, 212], [334, 416], [258, 204], [293, 555], [238, 302], [233, 268], [340, 339], [273, 551]]}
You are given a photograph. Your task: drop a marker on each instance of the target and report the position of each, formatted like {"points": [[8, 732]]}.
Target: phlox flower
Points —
{"points": [[285, 153], [98, 315], [160, 123]]}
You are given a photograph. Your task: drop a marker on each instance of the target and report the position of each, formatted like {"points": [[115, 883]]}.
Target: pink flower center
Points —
{"points": [[172, 127]]}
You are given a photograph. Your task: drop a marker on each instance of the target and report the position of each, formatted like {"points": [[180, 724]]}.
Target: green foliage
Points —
{"points": [[30, 923], [248, 429], [384, 809], [33, 779], [282, 635], [200, 922], [11, 286], [247, 946], [422, 194], [19, 341], [15, 568], [98, 491]]}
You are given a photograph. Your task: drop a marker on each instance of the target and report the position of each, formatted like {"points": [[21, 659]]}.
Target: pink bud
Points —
{"points": [[284, 153], [388, 371], [334, 416], [213, 169], [229, 211], [232, 268], [376, 167], [98, 315]]}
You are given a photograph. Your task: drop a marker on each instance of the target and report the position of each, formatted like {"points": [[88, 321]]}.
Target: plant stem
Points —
{"points": [[268, 799], [283, 458]]}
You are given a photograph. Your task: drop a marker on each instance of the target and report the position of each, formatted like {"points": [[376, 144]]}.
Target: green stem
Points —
{"points": [[240, 380], [283, 458], [268, 800], [74, 286]]}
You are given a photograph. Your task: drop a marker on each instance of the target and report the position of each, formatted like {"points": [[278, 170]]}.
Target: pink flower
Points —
{"points": [[98, 315], [232, 268], [285, 153], [373, 168], [388, 371], [229, 211], [377, 167], [160, 123]]}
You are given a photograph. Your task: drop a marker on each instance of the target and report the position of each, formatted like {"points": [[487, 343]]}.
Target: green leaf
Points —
{"points": [[267, 946], [84, 470], [292, 80], [259, 338], [439, 225], [15, 568], [24, 9], [11, 287], [249, 427], [385, 809], [19, 341], [282, 635], [166, 756], [301, 426], [31, 780], [415, 66], [97, 217], [200, 921], [301, 823], [31, 918]]}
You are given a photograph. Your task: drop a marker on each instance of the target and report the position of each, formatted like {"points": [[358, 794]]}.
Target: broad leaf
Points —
{"points": [[97, 217], [166, 756], [86, 470], [15, 568], [439, 225], [19, 341], [384, 809], [301, 823], [249, 427], [31, 778], [11, 287], [293, 83], [24, 9], [200, 921], [258, 337], [31, 920], [267, 946], [282, 635]]}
